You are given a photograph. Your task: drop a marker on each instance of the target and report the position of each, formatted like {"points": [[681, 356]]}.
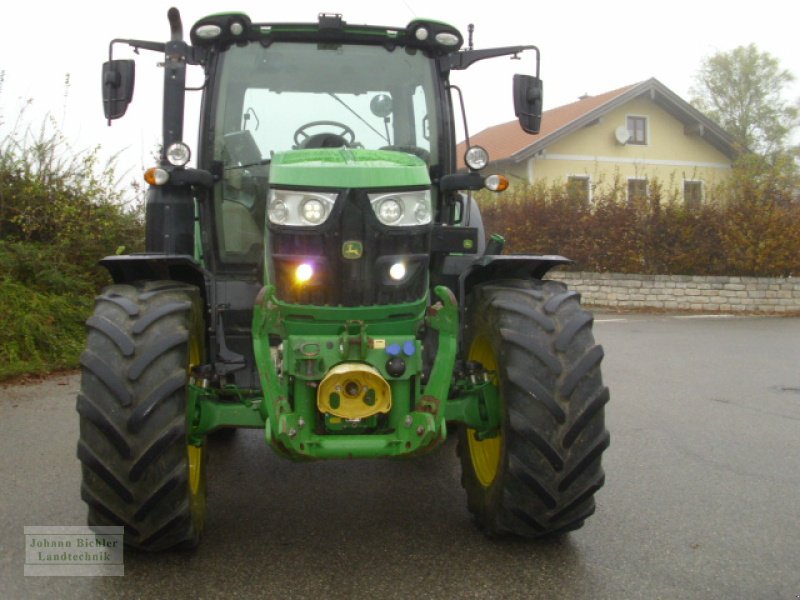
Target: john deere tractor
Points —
{"points": [[320, 273]]}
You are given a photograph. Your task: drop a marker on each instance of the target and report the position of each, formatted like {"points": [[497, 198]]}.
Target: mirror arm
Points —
{"points": [[466, 58], [462, 181], [137, 45]]}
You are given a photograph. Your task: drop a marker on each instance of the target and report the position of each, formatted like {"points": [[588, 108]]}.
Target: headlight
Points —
{"points": [[402, 209], [389, 210], [313, 211], [299, 209], [178, 154], [476, 158]]}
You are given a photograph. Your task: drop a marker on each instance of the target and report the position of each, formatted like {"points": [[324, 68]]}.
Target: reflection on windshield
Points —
{"points": [[291, 96]]}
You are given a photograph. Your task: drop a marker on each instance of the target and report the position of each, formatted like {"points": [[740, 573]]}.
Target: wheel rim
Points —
{"points": [[196, 454], [197, 499], [484, 454]]}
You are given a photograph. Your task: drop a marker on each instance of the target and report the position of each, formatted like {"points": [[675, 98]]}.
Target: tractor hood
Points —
{"points": [[348, 168]]}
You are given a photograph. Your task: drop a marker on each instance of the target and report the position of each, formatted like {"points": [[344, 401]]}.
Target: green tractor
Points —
{"points": [[322, 275]]}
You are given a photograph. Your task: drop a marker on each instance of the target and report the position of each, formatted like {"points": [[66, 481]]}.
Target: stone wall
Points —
{"points": [[685, 292]]}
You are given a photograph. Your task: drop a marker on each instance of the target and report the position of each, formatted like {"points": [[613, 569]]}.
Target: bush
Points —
{"points": [[41, 332], [752, 232], [60, 212]]}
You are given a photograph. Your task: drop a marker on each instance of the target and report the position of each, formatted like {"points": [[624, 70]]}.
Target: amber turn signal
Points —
{"points": [[156, 176], [496, 183]]}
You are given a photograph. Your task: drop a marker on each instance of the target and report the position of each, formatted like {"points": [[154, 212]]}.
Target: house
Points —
{"points": [[640, 133]]}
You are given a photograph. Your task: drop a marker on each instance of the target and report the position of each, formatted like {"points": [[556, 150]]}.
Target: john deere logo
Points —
{"points": [[352, 250]]}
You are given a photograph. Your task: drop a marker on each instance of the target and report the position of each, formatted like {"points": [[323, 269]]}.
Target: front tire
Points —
{"points": [[138, 470], [539, 475]]}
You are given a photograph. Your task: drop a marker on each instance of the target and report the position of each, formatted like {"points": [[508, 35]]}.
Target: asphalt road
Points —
{"points": [[702, 498]]}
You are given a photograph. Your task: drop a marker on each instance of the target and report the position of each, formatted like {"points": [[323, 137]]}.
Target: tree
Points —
{"points": [[742, 90]]}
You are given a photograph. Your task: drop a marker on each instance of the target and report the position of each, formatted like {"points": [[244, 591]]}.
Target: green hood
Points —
{"points": [[348, 168]]}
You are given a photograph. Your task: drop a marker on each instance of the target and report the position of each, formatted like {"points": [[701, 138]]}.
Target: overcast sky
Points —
{"points": [[587, 47]]}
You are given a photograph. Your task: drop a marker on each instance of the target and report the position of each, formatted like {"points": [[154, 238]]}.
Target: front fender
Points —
{"points": [[494, 267]]}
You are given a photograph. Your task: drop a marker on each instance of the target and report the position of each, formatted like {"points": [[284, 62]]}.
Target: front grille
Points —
{"points": [[339, 281]]}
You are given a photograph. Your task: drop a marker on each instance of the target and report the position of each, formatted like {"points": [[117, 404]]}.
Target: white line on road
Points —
{"points": [[703, 316]]}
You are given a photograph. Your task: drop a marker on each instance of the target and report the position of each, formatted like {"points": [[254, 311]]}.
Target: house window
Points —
{"points": [[637, 127], [578, 189], [637, 189], [693, 193]]}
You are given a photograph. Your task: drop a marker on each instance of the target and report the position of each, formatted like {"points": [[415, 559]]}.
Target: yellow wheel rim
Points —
{"points": [[195, 468], [196, 454], [197, 484], [485, 454]]}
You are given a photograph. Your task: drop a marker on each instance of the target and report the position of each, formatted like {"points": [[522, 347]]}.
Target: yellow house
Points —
{"points": [[639, 133]]}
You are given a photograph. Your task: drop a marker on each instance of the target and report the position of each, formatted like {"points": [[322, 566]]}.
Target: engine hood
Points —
{"points": [[348, 168]]}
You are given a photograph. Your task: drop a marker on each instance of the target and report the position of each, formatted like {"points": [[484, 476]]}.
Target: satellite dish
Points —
{"points": [[622, 134]]}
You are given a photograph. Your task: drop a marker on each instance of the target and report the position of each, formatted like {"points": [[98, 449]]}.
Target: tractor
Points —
{"points": [[321, 273]]}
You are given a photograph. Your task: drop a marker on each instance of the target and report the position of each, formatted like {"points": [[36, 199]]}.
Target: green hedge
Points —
{"points": [[41, 332], [59, 214], [732, 233]]}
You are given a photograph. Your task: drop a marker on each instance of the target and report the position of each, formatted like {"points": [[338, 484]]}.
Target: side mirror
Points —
{"points": [[118, 78], [528, 94]]}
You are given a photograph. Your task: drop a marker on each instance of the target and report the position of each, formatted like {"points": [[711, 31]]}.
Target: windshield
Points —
{"points": [[296, 95]]}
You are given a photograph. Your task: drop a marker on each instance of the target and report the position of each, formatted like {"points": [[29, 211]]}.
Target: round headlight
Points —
{"points": [[237, 28], [313, 211], [278, 213], [178, 154], [390, 211], [421, 34], [476, 158], [422, 213]]}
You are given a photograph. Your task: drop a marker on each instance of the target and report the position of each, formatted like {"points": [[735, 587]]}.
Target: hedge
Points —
{"points": [[731, 233]]}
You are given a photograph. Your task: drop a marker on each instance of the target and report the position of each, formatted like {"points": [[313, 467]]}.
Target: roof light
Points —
{"points": [[208, 32], [447, 39], [421, 34], [220, 29]]}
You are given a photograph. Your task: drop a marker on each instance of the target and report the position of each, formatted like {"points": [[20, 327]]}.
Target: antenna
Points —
{"points": [[470, 30]]}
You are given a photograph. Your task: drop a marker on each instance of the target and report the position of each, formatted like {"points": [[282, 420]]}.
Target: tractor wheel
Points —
{"points": [[138, 469], [539, 475]]}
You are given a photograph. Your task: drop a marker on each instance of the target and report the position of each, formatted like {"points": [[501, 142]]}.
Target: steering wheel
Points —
{"points": [[303, 139]]}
